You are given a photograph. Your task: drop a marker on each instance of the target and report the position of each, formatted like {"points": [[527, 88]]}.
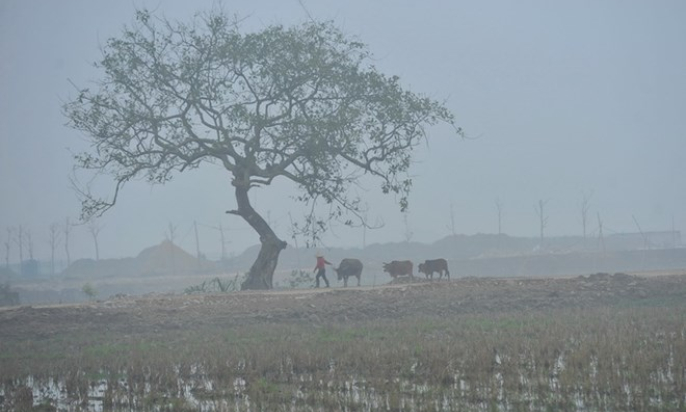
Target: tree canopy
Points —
{"points": [[301, 103]]}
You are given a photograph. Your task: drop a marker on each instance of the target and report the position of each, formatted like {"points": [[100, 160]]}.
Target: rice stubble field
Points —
{"points": [[598, 342]]}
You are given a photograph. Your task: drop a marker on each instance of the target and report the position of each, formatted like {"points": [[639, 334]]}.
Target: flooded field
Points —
{"points": [[609, 343]]}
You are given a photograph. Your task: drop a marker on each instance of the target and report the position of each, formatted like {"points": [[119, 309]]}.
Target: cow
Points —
{"points": [[348, 268], [398, 268], [435, 265]]}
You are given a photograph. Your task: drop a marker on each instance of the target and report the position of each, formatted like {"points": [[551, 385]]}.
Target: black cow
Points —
{"points": [[348, 268], [398, 268], [435, 265]]}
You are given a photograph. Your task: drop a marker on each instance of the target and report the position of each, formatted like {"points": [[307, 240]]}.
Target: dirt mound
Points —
{"points": [[163, 259]]}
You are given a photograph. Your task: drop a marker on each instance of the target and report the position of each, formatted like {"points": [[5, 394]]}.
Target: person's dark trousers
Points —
{"points": [[321, 273]]}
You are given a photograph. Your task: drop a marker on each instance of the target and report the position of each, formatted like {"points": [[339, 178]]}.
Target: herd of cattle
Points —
{"points": [[353, 268]]}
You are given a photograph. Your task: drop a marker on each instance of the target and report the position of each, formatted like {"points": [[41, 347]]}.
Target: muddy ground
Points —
{"points": [[147, 315]]}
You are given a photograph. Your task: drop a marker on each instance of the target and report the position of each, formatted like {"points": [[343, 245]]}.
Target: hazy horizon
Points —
{"points": [[559, 102]]}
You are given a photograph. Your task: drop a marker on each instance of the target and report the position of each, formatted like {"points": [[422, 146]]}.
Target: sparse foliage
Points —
{"points": [[301, 103], [299, 279], [89, 290], [215, 285]]}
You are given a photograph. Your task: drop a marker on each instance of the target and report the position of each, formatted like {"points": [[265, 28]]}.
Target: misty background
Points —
{"points": [[560, 103]]}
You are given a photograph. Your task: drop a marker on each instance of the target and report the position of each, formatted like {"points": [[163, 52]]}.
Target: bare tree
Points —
{"points": [[197, 244], [223, 240], [29, 243], [294, 236], [408, 233], [53, 240], [646, 241], [585, 205], [171, 237], [68, 227], [499, 209], [364, 223], [8, 246], [170, 234], [24, 239], [542, 217], [19, 240], [303, 103], [293, 231], [601, 239], [452, 219], [94, 229]]}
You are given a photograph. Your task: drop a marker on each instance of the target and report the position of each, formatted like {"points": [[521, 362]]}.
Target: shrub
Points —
{"points": [[89, 291]]}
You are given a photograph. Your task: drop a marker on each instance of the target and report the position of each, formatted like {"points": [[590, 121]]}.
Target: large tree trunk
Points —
{"points": [[262, 271]]}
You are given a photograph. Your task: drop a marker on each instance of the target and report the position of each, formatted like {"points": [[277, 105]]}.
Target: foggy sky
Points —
{"points": [[558, 101]]}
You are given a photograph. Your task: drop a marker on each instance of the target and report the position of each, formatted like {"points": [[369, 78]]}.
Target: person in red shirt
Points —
{"points": [[320, 268]]}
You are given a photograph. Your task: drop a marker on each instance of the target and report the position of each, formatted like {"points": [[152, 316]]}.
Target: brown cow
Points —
{"points": [[348, 268], [435, 265], [398, 268]]}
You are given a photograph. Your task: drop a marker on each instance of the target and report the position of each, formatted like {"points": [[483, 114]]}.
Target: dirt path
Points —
{"points": [[154, 313]]}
